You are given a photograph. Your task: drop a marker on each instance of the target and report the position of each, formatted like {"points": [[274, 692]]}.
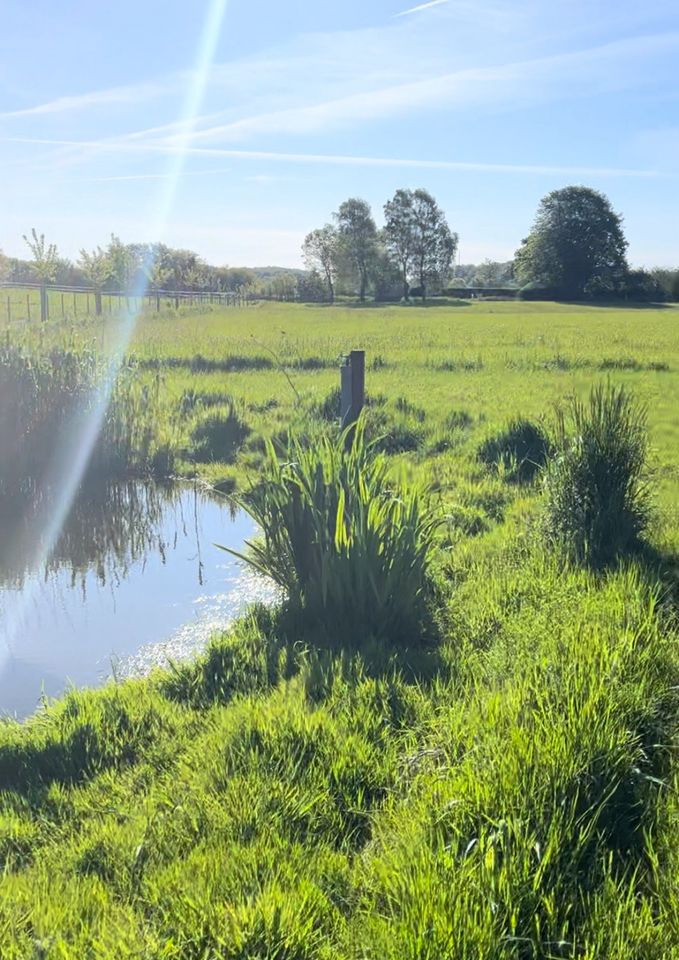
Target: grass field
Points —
{"points": [[509, 791]]}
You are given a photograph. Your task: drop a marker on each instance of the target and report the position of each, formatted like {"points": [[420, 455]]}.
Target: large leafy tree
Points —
{"points": [[418, 238], [320, 253], [576, 247], [435, 244], [358, 238], [399, 234]]}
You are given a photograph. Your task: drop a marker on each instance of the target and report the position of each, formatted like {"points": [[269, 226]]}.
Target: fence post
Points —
{"points": [[44, 306], [75, 305], [63, 312], [9, 310], [352, 383], [28, 306]]}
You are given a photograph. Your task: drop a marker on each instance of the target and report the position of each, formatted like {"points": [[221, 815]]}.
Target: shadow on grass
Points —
{"points": [[660, 567], [382, 304], [617, 304]]}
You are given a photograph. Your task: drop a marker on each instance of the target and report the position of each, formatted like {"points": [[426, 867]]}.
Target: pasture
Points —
{"points": [[505, 787]]}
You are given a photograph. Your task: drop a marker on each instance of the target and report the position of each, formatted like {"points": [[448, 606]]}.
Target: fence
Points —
{"points": [[33, 301]]}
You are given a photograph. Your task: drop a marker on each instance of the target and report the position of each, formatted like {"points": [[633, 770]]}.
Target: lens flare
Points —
{"points": [[71, 460]]}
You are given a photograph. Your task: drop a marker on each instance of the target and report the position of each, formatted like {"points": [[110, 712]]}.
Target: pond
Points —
{"points": [[133, 578]]}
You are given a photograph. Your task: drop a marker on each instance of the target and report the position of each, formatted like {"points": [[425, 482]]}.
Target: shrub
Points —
{"points": [[598, 497], [519, 450], [350, 551]]}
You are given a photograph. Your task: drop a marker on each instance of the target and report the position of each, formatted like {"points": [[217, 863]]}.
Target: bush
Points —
{"points": [[519, 450], [350, 551], [596, 483]]}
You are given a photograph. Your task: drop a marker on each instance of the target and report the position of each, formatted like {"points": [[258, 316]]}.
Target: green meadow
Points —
{"points": [[500, 782]]}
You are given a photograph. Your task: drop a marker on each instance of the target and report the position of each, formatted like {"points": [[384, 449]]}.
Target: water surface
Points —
{"points": [[134, 578]]}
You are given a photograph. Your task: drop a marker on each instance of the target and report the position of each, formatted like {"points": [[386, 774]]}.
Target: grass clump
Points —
{"points": [[349, 549], [518, 451], [598, 494]]}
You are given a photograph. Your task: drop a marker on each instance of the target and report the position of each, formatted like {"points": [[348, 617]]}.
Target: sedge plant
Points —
{"points": [[350, 549]]}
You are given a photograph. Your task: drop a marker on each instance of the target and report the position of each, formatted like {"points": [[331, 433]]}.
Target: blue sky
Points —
{"points": [[233, 127]]}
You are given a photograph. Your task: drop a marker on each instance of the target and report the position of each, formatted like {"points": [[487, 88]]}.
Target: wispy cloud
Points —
{"points": [[346, 160], [420, 7], [516, 84], [96, 98]]}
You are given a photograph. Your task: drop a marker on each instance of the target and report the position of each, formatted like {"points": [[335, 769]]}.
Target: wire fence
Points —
{"points": [[33, 301]]}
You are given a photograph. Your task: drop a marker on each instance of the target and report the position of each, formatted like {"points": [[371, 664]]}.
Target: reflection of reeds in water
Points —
{"points": [[44, 400], [108, 528]]}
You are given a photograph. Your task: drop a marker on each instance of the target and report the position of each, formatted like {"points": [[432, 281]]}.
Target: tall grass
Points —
{"points": [[350, 549], [46, 398], [597, 484]]}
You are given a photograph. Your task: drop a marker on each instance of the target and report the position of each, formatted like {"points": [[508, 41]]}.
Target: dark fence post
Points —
{"points": [[28, 305], [352, 382]]}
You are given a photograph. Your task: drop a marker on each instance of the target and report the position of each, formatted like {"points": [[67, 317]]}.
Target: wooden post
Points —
{"points": [[9, 310], [63, 311], [28, 305], [75, 305], [352, 382], [44, 306], [87, 303]]}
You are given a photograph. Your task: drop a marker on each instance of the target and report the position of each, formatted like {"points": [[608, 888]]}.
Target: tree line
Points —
{"points": [[575, 250], [122, 267]]}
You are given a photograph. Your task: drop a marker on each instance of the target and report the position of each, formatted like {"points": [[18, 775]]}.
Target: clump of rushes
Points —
{"points": [[350, 550], [597, 485]]}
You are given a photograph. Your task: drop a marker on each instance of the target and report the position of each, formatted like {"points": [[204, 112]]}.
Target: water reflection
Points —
{"points": [[135, 577]]}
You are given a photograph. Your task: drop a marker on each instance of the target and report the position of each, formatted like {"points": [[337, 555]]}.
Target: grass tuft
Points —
{"points": [[597, 484]]}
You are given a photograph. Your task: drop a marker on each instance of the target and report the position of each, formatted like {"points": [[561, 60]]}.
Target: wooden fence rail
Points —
{"points": [[31, 301]]}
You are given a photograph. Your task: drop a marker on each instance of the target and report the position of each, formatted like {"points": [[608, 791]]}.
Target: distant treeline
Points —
{"points": [[576, 250]]}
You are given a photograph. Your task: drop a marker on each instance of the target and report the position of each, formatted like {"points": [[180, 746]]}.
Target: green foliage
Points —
{"points": [[597, 489], [576, 246], [350, 550], [518, 451]]}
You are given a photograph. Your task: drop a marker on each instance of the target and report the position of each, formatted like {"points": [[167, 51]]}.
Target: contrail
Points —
{"points": [[421, 6]]}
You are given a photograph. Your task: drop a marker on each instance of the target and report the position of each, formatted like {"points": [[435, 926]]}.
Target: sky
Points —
{"points": [[233, 127]]}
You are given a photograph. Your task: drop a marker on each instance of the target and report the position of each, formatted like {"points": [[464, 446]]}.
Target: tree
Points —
{"points": [[386, 276], [123, 265], [668, 280], [311, 288], [643, 287], [434, 244], [46, 262], [358, 238], [97, 268], [576, 247], [234, 278], [399, 234], [320, 254]]}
